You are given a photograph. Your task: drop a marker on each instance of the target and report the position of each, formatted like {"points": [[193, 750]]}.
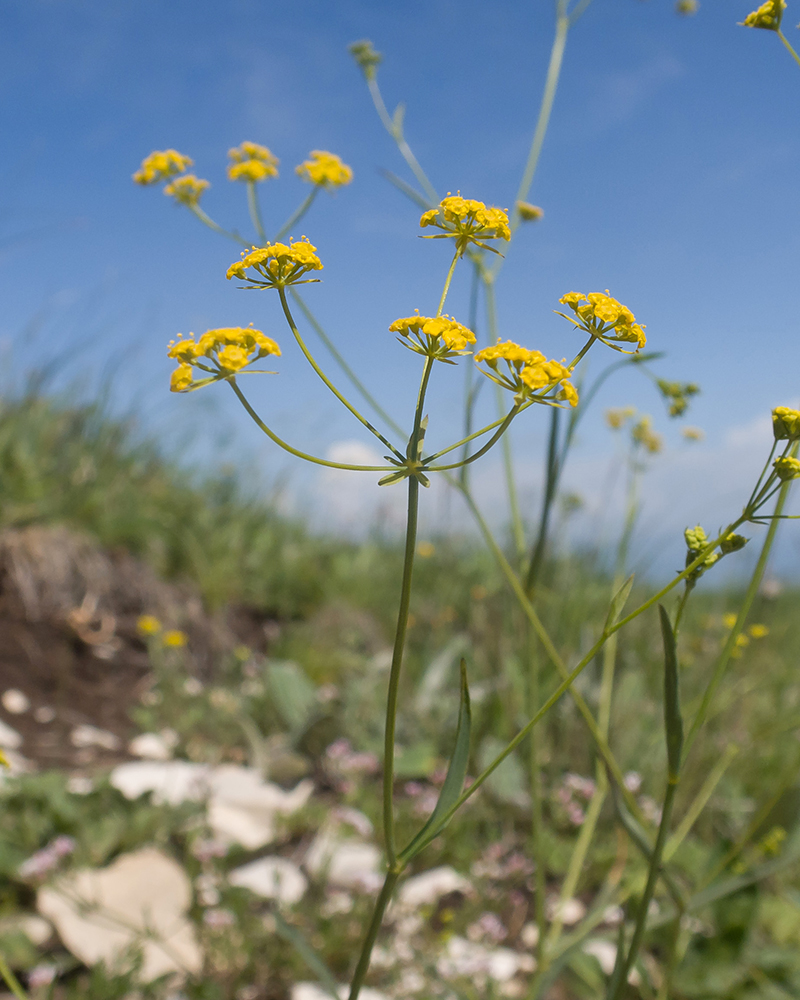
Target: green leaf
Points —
{"points": [[293, 694], [507, 782], [307, 953], [406, 189], [673, 721], [618, 602], [454, 782], [397, 118]]}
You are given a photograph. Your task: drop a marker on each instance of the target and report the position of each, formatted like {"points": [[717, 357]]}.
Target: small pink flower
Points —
{"points": [[218, 918]]}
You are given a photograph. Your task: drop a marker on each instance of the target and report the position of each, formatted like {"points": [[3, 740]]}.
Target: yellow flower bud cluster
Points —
{"points": [[230, 349], [277, 264], [467, 221], [366, 57], [163, 165], [528, 212], [251, 162], [642, 433], [617, 417], [768, 15], [437, 337], [325, 169], [677, 395], [787, 468], [786, 424], [696, 541], [605, 318], [527, 373], [160, 165]]}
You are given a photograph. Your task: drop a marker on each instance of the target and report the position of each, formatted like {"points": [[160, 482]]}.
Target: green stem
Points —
{"points": [[504, 425], [537, 815], [293, 451], [730, 645], [255, 212], [676, 625], [447, 281], [551, 487], [644, 904], [297, 215], [11, 980], [309, 357], [372, 933], [397, 134], [785, 41], [469, 373], [207, 221], [340, 361]]}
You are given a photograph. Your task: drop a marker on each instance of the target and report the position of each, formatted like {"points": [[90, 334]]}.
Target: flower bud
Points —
{"points": [[786, 424], [733, 543], [787, 468]]}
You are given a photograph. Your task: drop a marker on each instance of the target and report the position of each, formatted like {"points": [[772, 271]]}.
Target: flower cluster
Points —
{"points": [[617, 417], [767, 16], [642, 433], [325, 169], [160, 165], [677, 395], [437, 337], [251, 162], [697, 540], [787, 468], [467, 221], [603, 317], [786, 424], [366, 57], [186, 190], [528, 373], [528, 212], [230, 349], [277, 265]]}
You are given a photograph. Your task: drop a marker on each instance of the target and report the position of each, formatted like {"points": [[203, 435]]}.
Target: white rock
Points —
{"points": [[36, 929], [272, 878], [44, 714], [15, 702], [604, 951], [78, 784], [313, 991], [154, 746], [570, 911], [140, 900], [171, 782], [10, 739], [465, 958], [429, 887], [242, 806], [346, 861], [90, 736]]}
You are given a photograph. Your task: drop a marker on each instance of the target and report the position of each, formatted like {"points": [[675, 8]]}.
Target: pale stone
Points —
{"points": [[242, 806], [171, 782], [465, 958], [36, 929], [140, 900], [272, 878], [429, 887], [15, 702], [154, 746], [90, 736], [346, 861], [10, 739], [569, 912], [313, 991], [604, 951]]}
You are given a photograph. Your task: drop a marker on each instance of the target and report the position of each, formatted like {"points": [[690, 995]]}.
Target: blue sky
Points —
{"points": [[669, 175]]}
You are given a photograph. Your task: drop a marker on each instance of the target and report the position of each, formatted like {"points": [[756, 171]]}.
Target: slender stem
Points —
{"points": [[298, 214], [504, 425], [309, 357], [469, 375], [397, 134], [785, 41], [676, 625], [730, 645], [551, 487], [476, 434], [447, 281], [647, 896], [537, 814], [372, 933], [348, 371], [699, 802], [293, 451], [763, 472], [394, 676], [11, 980], [255, 212], [207, 221]]}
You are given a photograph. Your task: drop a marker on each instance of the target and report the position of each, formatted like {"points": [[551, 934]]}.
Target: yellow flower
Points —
{"points": [[729, 619], [693, 433], [786, 424], [467, 221], [616, 418], [277, 265], [174, 639], [643, 434], [160, 165], [687, 7], [605, 318], [528, 373], [528, 212], [186, 190], [437, 337], [251, 162], [148, 625], [787, 468], [425, 550], [325, 169], [767, 16], [742, 639], [758, 631], [232, 348]]}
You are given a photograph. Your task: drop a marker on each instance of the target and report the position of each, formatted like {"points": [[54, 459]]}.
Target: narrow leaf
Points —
{"points": [[406, 189], [673, 721], [307, 953], [618, 601], [397, 118], [456, 772]]}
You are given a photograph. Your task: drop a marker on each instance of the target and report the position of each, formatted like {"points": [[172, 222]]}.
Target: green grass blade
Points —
{"points": [[309, 956], [673, 720], [456, 773]]}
